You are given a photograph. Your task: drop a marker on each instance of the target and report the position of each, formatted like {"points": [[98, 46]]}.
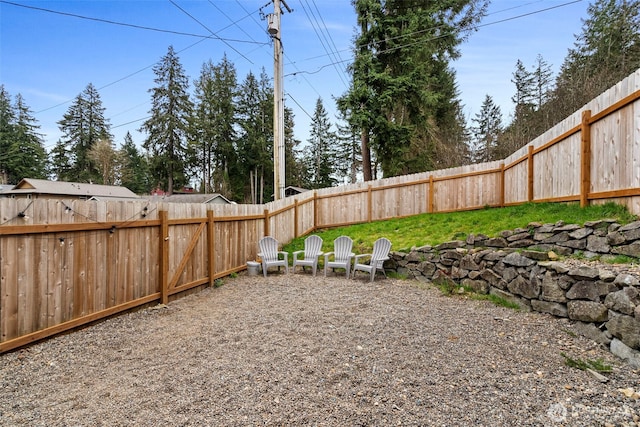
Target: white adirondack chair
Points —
{"points": [[341, 255], [312, 251], [271, 256], [381, 248]]}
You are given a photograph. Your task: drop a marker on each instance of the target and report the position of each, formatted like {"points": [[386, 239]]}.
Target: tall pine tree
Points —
{"points": [[321, 149], [168, 127], [22, 154], [213, 126], [134, 170], [255, 140], [402, 96], [27, 151], [83, 125], [7, 118], [486, 132]]}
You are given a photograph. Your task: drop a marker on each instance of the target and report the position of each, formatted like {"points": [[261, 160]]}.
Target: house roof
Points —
{"points": [[191, 198], [295, 189], [76, 189]]}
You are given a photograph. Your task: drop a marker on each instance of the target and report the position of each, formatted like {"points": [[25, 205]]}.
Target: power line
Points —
{"points": [[321, 37], [208, 29], [124, 24]]}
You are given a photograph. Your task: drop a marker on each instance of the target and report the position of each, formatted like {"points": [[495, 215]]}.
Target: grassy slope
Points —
{"points": [[431, 229]]}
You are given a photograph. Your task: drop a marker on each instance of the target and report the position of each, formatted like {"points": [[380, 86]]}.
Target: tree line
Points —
{"points": [[401, 114]]}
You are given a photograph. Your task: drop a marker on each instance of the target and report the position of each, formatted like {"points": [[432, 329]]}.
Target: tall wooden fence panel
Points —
{"points": [[615, 144], [343, 206]]}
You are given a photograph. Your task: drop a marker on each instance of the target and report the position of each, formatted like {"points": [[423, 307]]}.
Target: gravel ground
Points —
{"points": [[298, 350]]}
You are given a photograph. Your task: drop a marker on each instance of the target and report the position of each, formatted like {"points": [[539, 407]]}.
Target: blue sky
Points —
{"points": [[50, 58]]}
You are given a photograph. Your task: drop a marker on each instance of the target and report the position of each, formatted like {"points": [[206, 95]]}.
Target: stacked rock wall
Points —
{"points": [[523, 266]]}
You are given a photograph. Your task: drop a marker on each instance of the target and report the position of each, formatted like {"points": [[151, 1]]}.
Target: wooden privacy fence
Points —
{"points": [[67, 263]]}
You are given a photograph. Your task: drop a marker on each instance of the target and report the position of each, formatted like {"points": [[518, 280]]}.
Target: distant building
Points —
{"points": [[30, 188], [3, 188], [212, 198], [160, 192], [292, 191]]}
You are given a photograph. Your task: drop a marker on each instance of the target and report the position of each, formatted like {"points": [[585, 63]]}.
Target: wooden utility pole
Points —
{"points": [[278, 100]]}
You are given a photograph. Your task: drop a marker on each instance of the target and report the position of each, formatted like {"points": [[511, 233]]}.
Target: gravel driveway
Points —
{"points": [[298, 350]]}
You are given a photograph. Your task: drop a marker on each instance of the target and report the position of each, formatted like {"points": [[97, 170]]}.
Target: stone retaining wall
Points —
{"points": [[523, 266]]}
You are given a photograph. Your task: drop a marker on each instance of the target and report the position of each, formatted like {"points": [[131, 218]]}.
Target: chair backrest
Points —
{"points": [[269, 248], [381, 248], [312, 245], [342, 247]]}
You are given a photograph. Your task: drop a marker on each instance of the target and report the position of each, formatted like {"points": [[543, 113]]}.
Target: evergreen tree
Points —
{"points": [[83, 125], [7, 118], [61, 160], [403, 89], [605, 52], [133, 167], [27, 156], [524, 98], [543, 82], [320, 152], [255, 141], [168, 127], [22, 154], [295, 171], [348, 159], [485, 133], [214, 134]]}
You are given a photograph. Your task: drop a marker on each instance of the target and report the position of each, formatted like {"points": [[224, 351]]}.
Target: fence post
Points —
{"points": [[266, 223], [585, 158], [530, 171], [164, 257], [211, 246], [316, 210], [432, 192], [295, 218], [369, 204], [502, 185]]}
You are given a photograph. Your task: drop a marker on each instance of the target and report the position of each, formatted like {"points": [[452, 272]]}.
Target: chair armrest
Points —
{"points": [[358, 257], [285, 255], [327, 255], [296, 253]]}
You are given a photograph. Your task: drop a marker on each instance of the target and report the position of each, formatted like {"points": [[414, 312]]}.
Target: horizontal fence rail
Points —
{"points": [[66, 263]]}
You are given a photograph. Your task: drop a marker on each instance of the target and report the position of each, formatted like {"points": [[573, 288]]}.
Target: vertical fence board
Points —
{"points": [[9, 287]]}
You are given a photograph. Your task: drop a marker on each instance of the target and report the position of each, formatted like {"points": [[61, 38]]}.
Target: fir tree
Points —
{"points": [[22, 154], [214, 133], [26, 152], [7, 118], [348, 159], [295, 170], [133, 167], [485, 133], [319, 160], [255, 140], [402, 96], [168, 127], [61, 160], [83, 125], [606, 51]]}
